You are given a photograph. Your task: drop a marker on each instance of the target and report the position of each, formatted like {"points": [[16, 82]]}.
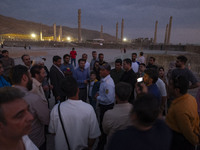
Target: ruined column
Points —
{"points": [[60, 34], [101, 33], [41, 32], [166, 32], [122, 30], [117, 32], [155, 33], [54, 31], [79, 25], [169, 30]]}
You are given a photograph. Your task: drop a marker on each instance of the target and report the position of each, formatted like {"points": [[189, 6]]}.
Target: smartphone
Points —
{"points": [[140, 79]]}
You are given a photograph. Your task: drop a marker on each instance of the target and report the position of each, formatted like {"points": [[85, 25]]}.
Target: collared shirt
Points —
{"points": [[106, 91], [79, 121], [40, 112], [183, 117], [81, 76], [65, 67], [117, 118], [37, 89]]}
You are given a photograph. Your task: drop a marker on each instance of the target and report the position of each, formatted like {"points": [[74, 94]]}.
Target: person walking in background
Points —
{"points": [[73, 55], [141, 58]]}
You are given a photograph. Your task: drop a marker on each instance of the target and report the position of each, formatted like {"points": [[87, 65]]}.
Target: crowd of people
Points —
{"points": [[136, 105]]}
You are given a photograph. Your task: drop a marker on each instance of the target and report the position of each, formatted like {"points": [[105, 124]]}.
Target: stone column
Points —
{"points": [[116, 32], [155, 33], [169, 30], [101, 33], [54, 31], [60, 34], [166, 32], [41, 32], [79, 25], [122, 30]]}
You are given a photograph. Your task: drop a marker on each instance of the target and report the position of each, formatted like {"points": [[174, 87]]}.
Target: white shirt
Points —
{"points": [[161, 86], [28, 144], [135, 66], [80, 123], [37, 89], [87, 65], [141, 59]]}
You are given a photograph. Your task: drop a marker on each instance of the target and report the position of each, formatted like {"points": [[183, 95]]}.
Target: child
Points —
{"points": [[93, 89]]}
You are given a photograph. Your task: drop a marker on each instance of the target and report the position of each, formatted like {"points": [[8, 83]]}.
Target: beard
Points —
{"points": [[29, 84]]}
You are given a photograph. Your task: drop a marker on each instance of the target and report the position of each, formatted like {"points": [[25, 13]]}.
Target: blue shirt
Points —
{"points": [[64, 67], [3, 82], [81, 76], [106, 91], [153, 89]]}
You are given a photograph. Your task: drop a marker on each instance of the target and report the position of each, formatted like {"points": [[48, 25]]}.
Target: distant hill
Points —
{"points": [[12, 25]]}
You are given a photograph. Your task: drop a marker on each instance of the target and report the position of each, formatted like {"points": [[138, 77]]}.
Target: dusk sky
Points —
{"points": [[139, 16]]}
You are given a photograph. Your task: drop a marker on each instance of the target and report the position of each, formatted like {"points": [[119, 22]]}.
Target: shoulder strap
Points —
{"points": [[63, 126]]}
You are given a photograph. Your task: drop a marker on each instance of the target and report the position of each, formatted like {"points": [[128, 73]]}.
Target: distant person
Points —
{"points": [[124, 50], [15, 120], [182, 117], [119, 117], [26, 60], [82, 77], [135, 64], [29, 47], [182, 70], [2, 45], [141, 58], [3, 81], [93, 88], [25, 46], [8, 63], [117, 72], [94, 58], [147, 132], [22, 80], [96, 69], [151, 64], [73, 55], [129, 77], [79, 120], [66, 67], [56, 77], [87, 64], [101, 59]]}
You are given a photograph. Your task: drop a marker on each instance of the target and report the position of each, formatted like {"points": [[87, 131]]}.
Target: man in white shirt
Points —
{"points": [[15, 120], [79, 120], [135, 64]]}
